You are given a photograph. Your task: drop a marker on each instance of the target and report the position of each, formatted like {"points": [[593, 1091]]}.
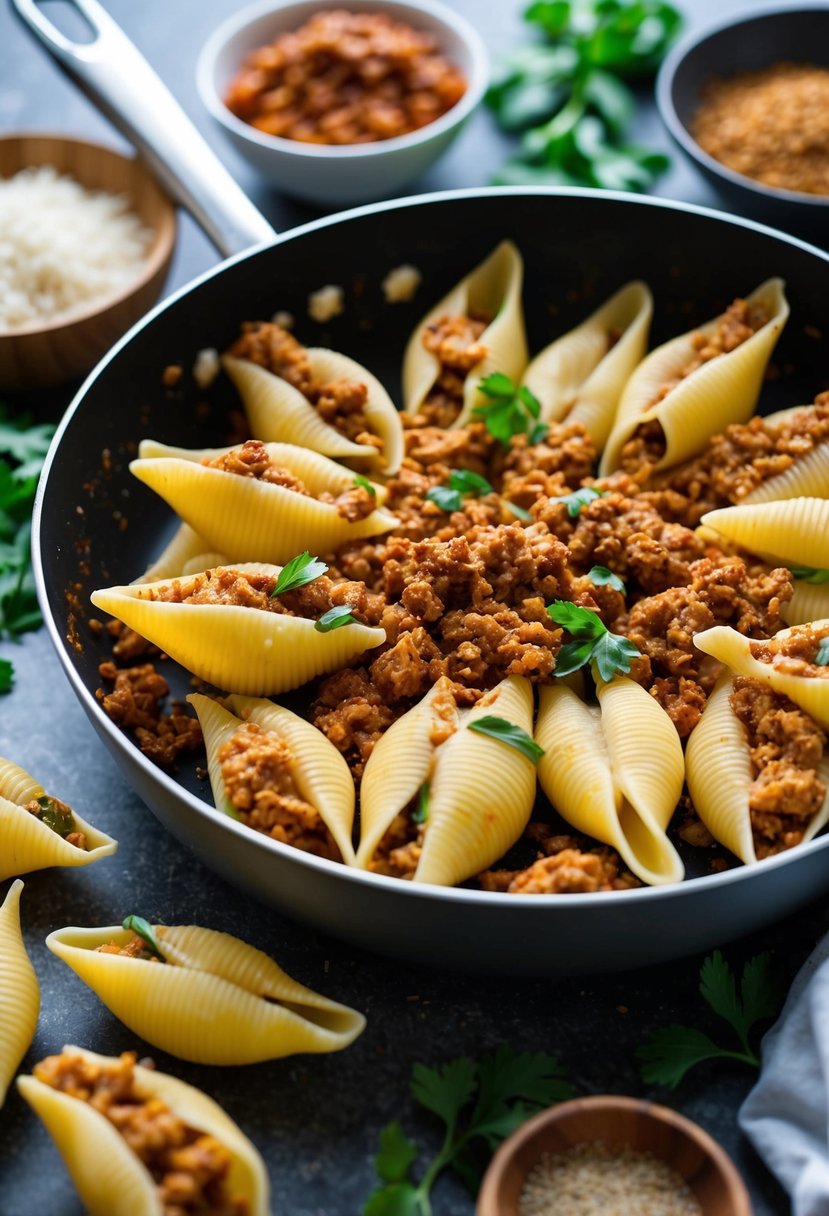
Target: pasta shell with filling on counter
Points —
{"points": [[679, 410], [491, 295], [790, 532], [111, 1178], [790, 663], [209, 998], [807, 475], [480, 790], [19, 991], [720, 775], [580, 376], [38, 830], [278, 412], [250, 650], [252, 519], [614, 771], [305, 760]]}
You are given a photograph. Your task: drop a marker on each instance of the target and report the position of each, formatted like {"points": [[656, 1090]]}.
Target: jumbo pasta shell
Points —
{"points": [[252, 519], [185, 553], [320, 773], [791, 532], [720, 392], [246, 650], [26, 843], [578, 378], [109, 1177], [602, 780], [492, 289], [19, 991], [730, 647], [810, 602], [807, 475], [216, 999]]}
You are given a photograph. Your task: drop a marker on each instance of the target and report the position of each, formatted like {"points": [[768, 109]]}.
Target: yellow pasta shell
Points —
{"points": [[19, 991], [185, 553], [245, 650], [790, 532], [109, 1177], [807, 476], [730, 647], [279, 412], [722, 391], [810, 602], [26, 843], [320, 773], [216, 1000], [252, 519], [577, 377], [601, 779], [492, 289]]}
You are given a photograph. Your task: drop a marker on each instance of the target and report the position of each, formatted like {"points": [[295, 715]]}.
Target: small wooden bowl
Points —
{"points": [[38, 355], [706, 1168]]}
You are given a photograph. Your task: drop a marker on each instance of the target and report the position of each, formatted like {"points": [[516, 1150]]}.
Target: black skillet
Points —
{"points": [[95, 526]]}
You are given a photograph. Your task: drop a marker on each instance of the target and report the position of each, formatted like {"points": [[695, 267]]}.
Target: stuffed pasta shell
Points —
{"points": [[792, 532], [580, 376], [278, 774], [38, 830], [185, 553], [691, 387], [263, 502], [441, 798], [757, 769], [202, 995], [19, 991], [477, 329], [614, 771], [805, 471], [314, 398], [134, 1139], [232, 627]]}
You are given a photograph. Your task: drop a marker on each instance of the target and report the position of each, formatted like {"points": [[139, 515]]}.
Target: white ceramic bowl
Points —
{"points": [[339, 174]]}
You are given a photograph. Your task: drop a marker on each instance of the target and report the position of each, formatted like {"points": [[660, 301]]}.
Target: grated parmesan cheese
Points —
{"points": [[62, 247], [325, 303], [400, 284]]}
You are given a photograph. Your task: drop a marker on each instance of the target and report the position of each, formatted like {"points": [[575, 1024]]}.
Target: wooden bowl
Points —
{"points": [[39, 355], [699, 1160]]}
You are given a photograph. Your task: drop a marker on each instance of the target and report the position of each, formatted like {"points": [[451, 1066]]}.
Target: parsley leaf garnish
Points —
{"points": [[808, 574], [297, 572], [509, 733], [821, 658], [334, 618], [669, 1054], [578, 499], [6, 675], [600, 576], [510, 410], [479, 1105], [519, 512], [594, 643], [421, 811], [365, 484], [144, 930], [461, 482]]}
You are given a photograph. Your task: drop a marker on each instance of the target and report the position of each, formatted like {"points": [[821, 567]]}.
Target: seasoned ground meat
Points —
{"points": [[351, 712], [565, 865], [256, 770], [561, 462], [399, 851], [189, 1168], [795, 653], [453, 340], [135, 704], [786, 747], [134, 947], [59, 817]]}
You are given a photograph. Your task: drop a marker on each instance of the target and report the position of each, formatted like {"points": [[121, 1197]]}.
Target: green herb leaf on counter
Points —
{"points": [[578, 499], [334, 618], [299, 571], [143, 928], [461, 482], [479, 1105], [6, 675], [600, 576], [669, 1054], [511, 410], [507, 732], [594, 643], [808, 574], [365, 484], [822, 655]]}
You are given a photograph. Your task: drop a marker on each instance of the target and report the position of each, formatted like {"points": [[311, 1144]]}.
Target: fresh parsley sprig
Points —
{"points": [[507, 732], [479, 1105], [421, 809], [6, 675], [510, 410], [593, 642], [461, 482], [578, 499], [365, 484], [144, 930], [808, 574], [669, 1054], [600, 576], [299, 571], [341, 614]]}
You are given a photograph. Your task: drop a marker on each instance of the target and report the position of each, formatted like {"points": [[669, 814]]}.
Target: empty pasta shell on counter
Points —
{"points": [[614, 771], [243, 649], [580, 376], [111, 1178], [777, 662], [250, 518], [185, 553], [279, 412], [213, 1000], [720, 774], [690, 408], [19, 991], [491, 293], [309, 764], [790, 532], [480, 789], [48, 834]]}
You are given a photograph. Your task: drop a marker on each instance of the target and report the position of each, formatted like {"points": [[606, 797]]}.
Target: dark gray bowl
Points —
{"points": [[794, 32]]}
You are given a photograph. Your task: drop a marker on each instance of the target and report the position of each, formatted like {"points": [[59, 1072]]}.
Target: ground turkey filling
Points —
{"points": [[796, 653], [188, 1166], [59, 817], [340, 403], [786, 747], [739, 322], [565, 865], [454, 341], [257, 774]]}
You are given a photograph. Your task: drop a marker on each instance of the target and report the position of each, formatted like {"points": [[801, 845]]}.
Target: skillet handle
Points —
{"points": [[117, 78]]}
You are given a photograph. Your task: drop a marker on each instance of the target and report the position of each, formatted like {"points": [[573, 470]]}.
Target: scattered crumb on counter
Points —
{"points": [[284, 319], [400, 284], [171, 375], [325, 303], [206, 367]]}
